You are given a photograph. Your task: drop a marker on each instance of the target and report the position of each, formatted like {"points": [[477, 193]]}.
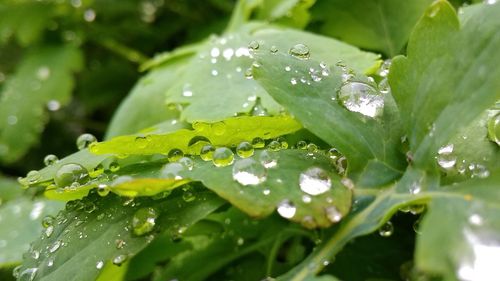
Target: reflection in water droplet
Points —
{"points": [[362, 98], [300, 51], [274, 146], [287, 209], [386, 230], [175, 154], [258, 143], [206, 152], [144, 221], [315, 181], [249, 172], [222, 157], [333, 214], [70, 173], [84, 140]]}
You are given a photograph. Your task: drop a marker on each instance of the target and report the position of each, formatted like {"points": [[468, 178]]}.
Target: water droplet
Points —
{"points": [[333, 214], [244, 149], [99, 265], [494, 129], [214, 72], [301, 145], [315, 181], [249, 172], [287, 209], [215, 52], [207, 152], [383, 71], [119, 260], [43, 73], [273, 49], [306, 199], [300, 51], [175, 154], [222, 157], [334, 154], [28, 274], [266, 191], [33, 177], [55, 246], [197, 143], [84, 140], [49, 230], [362, 98], [254, 45], [186, 162], [48, 221], [114, 167], [258, 143], [268, 159], [445, 158], [143, 221], [293, 81], [188, 195], [70, 173], [103, 189], [96, 171], [172, 171], [35, 254], [50, 159], [386, 230], [274, 146], [53, 105]]}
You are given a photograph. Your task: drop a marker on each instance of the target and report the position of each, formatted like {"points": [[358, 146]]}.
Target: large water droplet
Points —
{"points": [[33, 177], [222, 157], [175, 154], [244, 149], [315, 181], [144, 221], [70, 173], [287, 209], [445, 158], [172, 171], [300, 51], [50, 159], [84, 140], [362, 98], [207, 152], [249, 172]]}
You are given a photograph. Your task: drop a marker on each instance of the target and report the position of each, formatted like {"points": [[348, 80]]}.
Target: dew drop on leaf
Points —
{"points": [[187, 162], [207, 152], [268, 159], [274, 146], [315, 181], [97, 171], [361, 97], [445, 157], [244, 149], [172, 171], [301, 145], [33, 177], [249, 172], [99, 265], [386, 230], [254, 45], [333, 214], [28, 274], [70, 173], [48, 221], [300, 51], [50, 160], [143, 221], [119, 260], [103, 189], [175, 154], [273, 49], [286, 209], [222, 157], [55, 246], [494, 129], [114, 166], [258, 142], [84, 140]]}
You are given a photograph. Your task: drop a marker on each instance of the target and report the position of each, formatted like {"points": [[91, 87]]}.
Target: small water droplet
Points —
{"points": [[445, 158], [386, 230], [119, 260], [300, 51], [84, 140], [306, 199], [187, 162], [48, 221], [258, 143], [33, 177], [268, 159], [103, 189], [293, 81], [50, 160], [301, 145], [143, 221], [96, 171], [249, 172], [114, 167], [207, 152], [286, 209], [43, 73], [266, 191], [55, 246], [273, 49], [188, 195], [99, 265], [222, 157], [89, 15], [362, 98], [28, 274], [244, 149], [494, 129], [172, 171], [248, 73], [333, 214], [70, 173], [175, 154], [254, 45], [53, 105], [49, 230], [274, 146]]}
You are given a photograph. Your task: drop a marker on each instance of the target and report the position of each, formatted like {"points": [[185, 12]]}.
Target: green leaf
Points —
{"points": [[382, 25], [20, 224], [218, 71], [44, 75], [437, 93], [292, 13], [145, 105], [460, 233], [229, 132], [13, 21], [96, 231], [9, 189], [315, 85]]}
